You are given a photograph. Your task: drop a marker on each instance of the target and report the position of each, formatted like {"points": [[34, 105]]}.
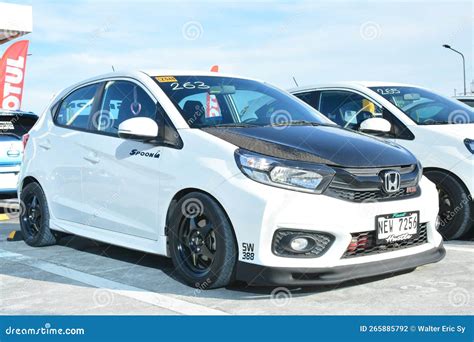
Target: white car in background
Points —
{"points": [[466, 99], [14, 125], [438, 130]]}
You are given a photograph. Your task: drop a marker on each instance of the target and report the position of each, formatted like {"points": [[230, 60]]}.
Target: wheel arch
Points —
{"points": [[28, 180], [461, 182], [183, 192]]}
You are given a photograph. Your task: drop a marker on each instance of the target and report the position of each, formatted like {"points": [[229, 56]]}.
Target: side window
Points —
{"points": [[122, 100], [76, 107], [310, 98], [347, 109]]}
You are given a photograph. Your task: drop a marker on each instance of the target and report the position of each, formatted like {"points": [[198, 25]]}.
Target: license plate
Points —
{"points": [[396, 227], [8, 180]]}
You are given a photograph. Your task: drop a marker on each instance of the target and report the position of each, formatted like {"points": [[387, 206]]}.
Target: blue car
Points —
{"points": [[13, 127]]}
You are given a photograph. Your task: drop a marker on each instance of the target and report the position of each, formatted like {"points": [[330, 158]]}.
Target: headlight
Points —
{"points": [[469, 144], [293, 175]]}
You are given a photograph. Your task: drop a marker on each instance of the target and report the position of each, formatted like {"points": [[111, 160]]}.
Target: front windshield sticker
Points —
{"points": [[425, 107], [165, 79], [212, 107]]}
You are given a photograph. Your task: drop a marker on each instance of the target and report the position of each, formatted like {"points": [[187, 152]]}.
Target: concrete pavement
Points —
{"points": [[81, 276]]}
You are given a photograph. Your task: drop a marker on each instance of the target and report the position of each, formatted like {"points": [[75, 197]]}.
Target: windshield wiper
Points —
{"points": [[429, 123], [300, 123], [232, 125]]}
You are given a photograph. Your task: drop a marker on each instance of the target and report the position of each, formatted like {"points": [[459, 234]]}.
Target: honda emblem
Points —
{"points": [[391, 181]]}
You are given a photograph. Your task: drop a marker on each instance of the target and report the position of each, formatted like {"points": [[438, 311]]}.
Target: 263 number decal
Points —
{"points": [[189, 85]]}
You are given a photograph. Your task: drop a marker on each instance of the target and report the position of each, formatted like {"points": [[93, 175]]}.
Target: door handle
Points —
{"points": [[92, 157], [45, 144]]}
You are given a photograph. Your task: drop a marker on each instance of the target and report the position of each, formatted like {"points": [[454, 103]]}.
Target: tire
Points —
{"points": [[455, 205], [202, 243], [34, 218]]}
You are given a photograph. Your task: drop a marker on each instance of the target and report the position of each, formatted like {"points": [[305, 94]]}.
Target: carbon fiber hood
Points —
{"points": [[319, 144]]}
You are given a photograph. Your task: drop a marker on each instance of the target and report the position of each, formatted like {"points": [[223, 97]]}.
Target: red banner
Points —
{"points": [[12, 75]]}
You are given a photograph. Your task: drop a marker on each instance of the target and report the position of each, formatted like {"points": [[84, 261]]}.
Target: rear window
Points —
{"points": [[16, 124]]}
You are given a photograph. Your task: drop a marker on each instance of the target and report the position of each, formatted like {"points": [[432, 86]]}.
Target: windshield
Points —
{"points": [[206, 101], [425, 107]]}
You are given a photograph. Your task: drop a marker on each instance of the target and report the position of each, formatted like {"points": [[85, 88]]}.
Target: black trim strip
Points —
{"points": [[264, 276]]}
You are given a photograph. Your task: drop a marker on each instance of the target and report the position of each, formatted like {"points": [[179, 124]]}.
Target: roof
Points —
{"points": [[164, 72], [464, 97], [15, 21], [138, 74], [161, 72], [353, 84], [7, 112]]}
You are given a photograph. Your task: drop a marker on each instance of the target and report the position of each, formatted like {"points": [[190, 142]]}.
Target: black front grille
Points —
{"points": [[368, 196], [367, 184], [364, 243]]}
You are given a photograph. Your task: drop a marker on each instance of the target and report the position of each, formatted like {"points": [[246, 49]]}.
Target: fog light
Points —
{"points": [[299, 244]]}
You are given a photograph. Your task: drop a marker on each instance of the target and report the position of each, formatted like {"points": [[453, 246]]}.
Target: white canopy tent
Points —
{"points": [[15, 21]]}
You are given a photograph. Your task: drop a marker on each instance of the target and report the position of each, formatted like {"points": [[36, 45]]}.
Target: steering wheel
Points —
{"points": [[413, 111]]}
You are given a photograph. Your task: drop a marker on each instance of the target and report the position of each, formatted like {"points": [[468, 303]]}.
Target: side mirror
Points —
{"points": [[139, 128], [375, 125]]}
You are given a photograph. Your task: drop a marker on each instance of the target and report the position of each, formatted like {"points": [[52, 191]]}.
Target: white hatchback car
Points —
{"points": [[197, 167], [438, 130]]}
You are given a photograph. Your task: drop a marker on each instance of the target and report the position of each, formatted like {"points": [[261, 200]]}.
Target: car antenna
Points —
{"points": [[113, 69], [294, 79]]}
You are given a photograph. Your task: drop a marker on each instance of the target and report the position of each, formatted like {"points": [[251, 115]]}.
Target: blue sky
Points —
{"points": [[316, 42]]}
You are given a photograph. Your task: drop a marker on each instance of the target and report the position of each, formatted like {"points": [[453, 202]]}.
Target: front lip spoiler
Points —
{"points": [[266, 276]]}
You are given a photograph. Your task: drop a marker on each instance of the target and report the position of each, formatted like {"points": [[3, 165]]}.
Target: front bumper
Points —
{"points": [[261, 275], [262, 210]]}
